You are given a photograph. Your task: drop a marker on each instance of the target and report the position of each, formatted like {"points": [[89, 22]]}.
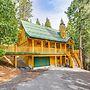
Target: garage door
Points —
{"points": [[41, 61]]}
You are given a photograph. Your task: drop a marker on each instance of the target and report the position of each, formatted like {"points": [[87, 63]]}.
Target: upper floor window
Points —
{"points": [[58, 45], [45, 44], [52, 45]]}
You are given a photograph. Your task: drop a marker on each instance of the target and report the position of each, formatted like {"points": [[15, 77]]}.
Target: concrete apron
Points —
{"points": [[60, 68]]}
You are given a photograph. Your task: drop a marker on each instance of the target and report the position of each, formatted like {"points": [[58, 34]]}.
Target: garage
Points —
{"points": [[41, 61]]}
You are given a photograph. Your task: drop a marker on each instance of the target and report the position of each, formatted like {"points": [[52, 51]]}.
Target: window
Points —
{"points": [[58, 45], [45, 44], [52, 45]]}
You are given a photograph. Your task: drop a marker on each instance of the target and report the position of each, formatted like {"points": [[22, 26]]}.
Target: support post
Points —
{"points": [[60, 47], [32, 45], [55, 47], [42, 45], [29, 60], [65, 59], [55, 61], [15, 61], [61, 60], [32, 61], [49, 46], [65, 48]]}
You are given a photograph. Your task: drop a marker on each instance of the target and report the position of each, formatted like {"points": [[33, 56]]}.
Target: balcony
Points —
{"points": [[40, 50]]}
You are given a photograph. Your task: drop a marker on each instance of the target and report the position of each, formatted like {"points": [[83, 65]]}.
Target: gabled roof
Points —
{"points": [[41, 32]]}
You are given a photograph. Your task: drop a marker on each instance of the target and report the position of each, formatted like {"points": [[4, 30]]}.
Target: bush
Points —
{"points": [[2, 52]]}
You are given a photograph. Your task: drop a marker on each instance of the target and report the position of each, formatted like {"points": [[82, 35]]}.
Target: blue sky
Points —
{"points": [[53, 9]]}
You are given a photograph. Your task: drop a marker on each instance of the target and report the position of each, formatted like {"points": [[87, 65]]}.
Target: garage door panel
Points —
{"points": [[41, 61]]}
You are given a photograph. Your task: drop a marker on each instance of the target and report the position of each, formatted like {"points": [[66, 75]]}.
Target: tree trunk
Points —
{"points": [[80, 49]]}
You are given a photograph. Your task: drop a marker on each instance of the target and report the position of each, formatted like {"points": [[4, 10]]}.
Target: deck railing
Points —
{"points": [[35, 49], [39, 50]]}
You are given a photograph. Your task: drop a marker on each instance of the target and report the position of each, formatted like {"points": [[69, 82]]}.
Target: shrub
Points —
{"points": [[2, 52]]}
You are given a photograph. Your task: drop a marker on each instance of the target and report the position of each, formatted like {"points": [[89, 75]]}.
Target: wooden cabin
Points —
{"points": [[42, 46]]}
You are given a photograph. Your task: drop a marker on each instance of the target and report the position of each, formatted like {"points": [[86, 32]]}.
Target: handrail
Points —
{"points": [[36, 49]]}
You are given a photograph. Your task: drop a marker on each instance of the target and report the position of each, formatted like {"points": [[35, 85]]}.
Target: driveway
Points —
{"points": [[58, 79]]}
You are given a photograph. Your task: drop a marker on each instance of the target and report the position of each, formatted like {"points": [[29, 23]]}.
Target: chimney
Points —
{"points": [[62, 29]]}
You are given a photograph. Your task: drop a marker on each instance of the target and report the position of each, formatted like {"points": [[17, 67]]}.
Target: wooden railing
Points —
{"points": [[35, 49]]}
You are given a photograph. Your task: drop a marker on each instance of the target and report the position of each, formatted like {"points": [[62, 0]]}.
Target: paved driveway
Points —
{"points": [[58, 80]]}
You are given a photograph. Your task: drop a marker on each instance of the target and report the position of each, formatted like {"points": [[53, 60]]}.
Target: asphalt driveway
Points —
{"points": [[58, 80]]}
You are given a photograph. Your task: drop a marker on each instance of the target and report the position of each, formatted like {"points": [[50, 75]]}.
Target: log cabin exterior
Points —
{"points": [[43, 46]]}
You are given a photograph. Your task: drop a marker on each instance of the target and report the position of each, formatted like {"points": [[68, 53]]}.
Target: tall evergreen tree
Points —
{"points": [[24, 9], [47, 23], [8, 24], [37, 22], [79, 25]]}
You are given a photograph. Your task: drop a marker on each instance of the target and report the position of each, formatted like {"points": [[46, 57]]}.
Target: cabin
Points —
{"points": [[41, 46]]}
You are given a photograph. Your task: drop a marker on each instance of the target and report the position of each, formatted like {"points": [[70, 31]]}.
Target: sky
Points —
{"points": [[53, 9]]}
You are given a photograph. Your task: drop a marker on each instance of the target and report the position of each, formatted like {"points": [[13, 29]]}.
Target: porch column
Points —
{"points": [[55, 61], [65, 48], [61, 60], [42, 45], [32, 45], [49, 46], [32, 61], [55, 47], [65, 59], [29, 60], [60, 47], [15, 61]]}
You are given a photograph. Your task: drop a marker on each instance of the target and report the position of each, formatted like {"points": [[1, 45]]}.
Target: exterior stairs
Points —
{"points": [[78, 60], [74, 61]]}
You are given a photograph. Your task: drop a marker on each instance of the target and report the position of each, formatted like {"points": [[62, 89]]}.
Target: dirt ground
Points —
{"points": [[7, 73]]}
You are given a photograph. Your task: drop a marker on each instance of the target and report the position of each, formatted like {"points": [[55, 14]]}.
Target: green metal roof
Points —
{"points": [[41, 32]]}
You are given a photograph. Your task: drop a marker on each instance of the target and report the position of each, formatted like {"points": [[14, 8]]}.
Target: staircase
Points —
{"points": [[75, 64], [78, 61], [74, 61]]}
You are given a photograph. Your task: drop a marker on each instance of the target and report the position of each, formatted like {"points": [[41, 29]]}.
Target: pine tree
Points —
{"points": [[37, 22], [24, 9], [79, 26], [8, 24], [47, 23]]}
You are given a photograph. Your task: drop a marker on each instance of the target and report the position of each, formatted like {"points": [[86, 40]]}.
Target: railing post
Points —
{"points": [[60, 47], [15, 48], [49, 46], [32, 45], [55, 47], [65, 47]]}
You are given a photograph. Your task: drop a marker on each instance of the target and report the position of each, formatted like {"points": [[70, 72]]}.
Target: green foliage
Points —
{"points": [[8, 23], [24, 9], [61, 22], [37, 22], [79, 24], [72, 32], [2, 52], [47, 23]]}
